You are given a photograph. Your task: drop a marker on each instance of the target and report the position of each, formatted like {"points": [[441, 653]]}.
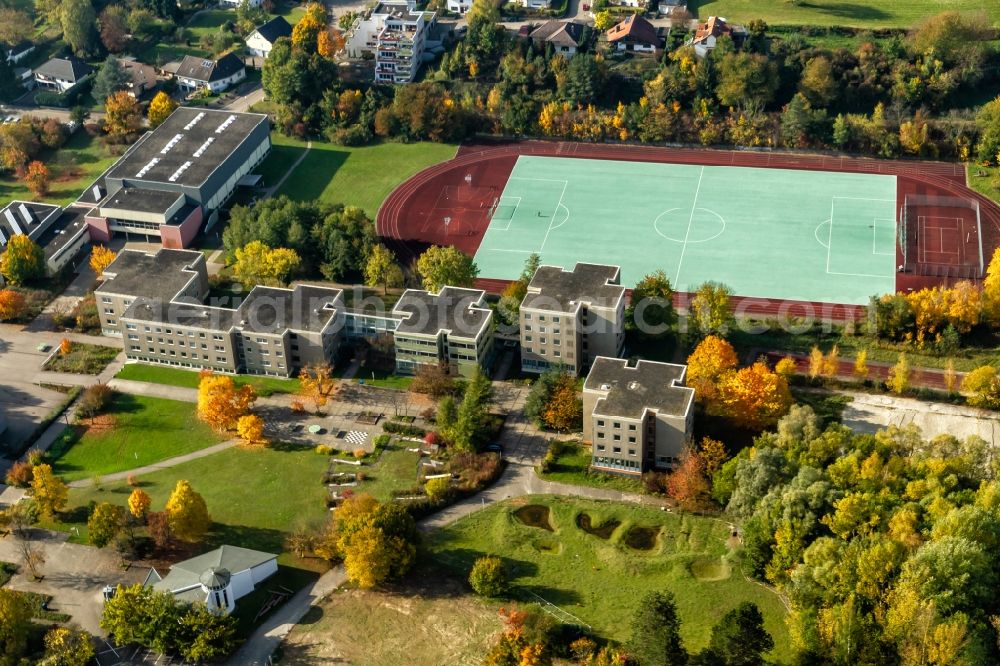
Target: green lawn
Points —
{"points": [[208, 22], [284, 152], [143, 431], [573, 466], [867, 14], [396, 469], [254, 496], [988, 184], [600, 581], [361, 176], [155, 374], [73, 168], [83, 359]]}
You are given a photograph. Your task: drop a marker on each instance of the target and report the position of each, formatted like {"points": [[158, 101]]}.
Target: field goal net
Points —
{"points": [[941, 236]]}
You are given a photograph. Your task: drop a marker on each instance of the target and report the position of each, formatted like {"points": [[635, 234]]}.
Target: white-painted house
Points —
{"points": [[233, 4], [217, 578], [217, 75], [261, 40]]}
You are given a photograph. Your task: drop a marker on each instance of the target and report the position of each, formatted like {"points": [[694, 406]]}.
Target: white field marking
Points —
{"points": [[694, 207], [816, 234], [553, 218], [829, 248], [512, 214]]}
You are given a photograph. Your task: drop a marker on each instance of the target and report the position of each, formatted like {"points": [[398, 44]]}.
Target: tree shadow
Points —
{"points": [[257, 538], [849, 10], [325, 163]]}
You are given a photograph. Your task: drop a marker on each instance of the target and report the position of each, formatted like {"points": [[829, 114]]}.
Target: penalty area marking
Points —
{"points": [[816, 233]]}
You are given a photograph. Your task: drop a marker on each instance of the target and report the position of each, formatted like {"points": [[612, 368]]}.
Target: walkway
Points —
{"points": [[163, 464], [271, 190]]}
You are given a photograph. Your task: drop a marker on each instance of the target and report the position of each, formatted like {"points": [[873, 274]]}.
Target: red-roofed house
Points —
{"points": [[634, 34], [708, 33]]}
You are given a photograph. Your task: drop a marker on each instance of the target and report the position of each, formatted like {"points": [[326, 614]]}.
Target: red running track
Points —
{"points": [[405, 218]]}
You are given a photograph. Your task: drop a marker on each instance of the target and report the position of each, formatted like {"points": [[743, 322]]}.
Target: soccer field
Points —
{"points": [[774, 233]]}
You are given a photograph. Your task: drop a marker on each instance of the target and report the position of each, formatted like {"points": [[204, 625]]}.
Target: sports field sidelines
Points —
{"points": [[775, 233]]}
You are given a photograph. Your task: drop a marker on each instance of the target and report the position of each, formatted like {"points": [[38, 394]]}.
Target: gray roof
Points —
{"points": [[204, 69], [63, 231], [560, 33], [191, 315], [187, 574], [70, 68], [271, 310], [460, 312], [275, 29], [159, 155], [141, 199], [553, 288], [630, 391], [37, 213], [159, 276]]}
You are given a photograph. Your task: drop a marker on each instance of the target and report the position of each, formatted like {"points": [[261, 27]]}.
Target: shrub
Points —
{"points": [[431, 438], [323, 449], [404, 429], [132, 480], [488, 577], [94, 400], [359, 453], [20, 474], [438, 489], [35, 457]]}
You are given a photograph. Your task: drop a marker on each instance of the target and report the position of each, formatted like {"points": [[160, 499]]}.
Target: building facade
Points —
{"points": [[453, 327], [60, 232], [214, 75], [156, 303], [395, 33], [636, 417], [568, 318], [261, 40], [174, 179]]}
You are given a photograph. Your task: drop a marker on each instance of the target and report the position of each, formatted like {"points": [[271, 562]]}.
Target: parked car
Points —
{"points": [[493, 448]]}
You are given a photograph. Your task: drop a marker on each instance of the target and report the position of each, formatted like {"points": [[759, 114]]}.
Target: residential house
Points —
{"points": [[535, 4], [173, 180], [636, 417], [452, 327], [233, 4], [708, 33], [564, 36], [142, 77], [634, 34], [61, 232], [635, 4], [261, 40], [568, 318], [156, 304], [672, 8], [396, 33], [215, 75], [459, 6], [216, 578], [62, 74], [18, 52]]}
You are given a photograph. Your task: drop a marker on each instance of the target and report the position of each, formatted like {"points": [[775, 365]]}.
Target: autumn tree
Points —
{"points": [[104, 524], [23, 260], [688, 484], [256, 263], [316, 384], [433, 379], [139, 503], [250, 428], [12, 304], [79, 24], [101, 257], [220, 403], [37, 178], [381, 268], [48, 491], [65, 347], [711, 310], [65, 646], [488, 577], [564, 409], [949, 376], [713, 455], [899, 375], [15, 624], [861, 370], [377, 541], [754, 397], [122, 115], [982, 386], [16, 26], [816, 362], [831, 362], [113, 27], [786, 366], [305, 34], [446, 266], [160, 108], [187, 513], [712, 358]]}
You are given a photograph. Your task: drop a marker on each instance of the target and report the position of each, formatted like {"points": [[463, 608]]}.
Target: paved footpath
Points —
{"points": [[163, 464]]}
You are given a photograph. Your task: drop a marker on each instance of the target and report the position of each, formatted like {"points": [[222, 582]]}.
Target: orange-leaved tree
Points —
{"points": [[316, 383], [754, 397], [712, 358], [100, 258], [564, 411], [12, 304], [65, 346], [37, 178], [220, 403], [688, 484], [122, 115]]}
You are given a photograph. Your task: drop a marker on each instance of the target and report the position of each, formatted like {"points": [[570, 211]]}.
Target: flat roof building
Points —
{"points": [[568, 318], [175, 178], [60, 232], [636, 417]]}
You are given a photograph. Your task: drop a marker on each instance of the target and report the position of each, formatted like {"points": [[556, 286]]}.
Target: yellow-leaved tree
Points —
{"points": [[861, 365], [160, 108], [250, 428], [305, 34], [48, 490], [831, 362], [816, 362], [707, 363], [381, 268], [138, 503], [187, 513], [220, 403], [983, 387], [256, 263], [786, 367], [899, 375], [100, 258], [991, 288], [316, 383], [949, 376], [754, 397]]}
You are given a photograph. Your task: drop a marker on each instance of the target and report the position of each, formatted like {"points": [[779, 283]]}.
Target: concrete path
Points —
{"points": [[68, 299], [243, 104], [163, 464], [151, 390], [271, 190]]}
